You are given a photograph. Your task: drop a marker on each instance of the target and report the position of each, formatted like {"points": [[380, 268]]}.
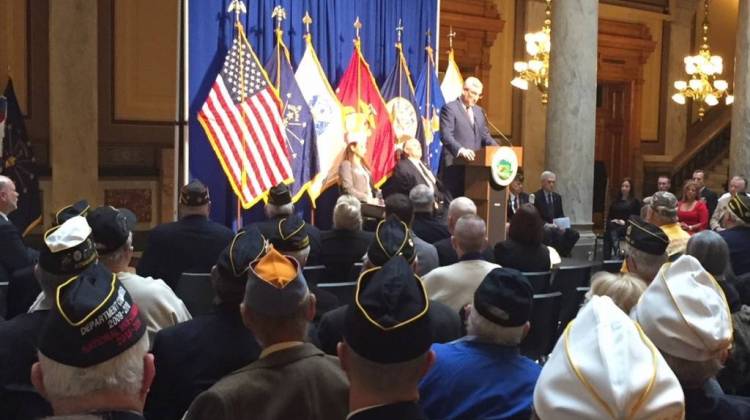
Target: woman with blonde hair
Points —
{"points": [[692, 212], [354, 173], [624, 289]]}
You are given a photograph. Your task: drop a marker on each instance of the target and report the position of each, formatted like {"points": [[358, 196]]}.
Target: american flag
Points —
{"points": [[242, 119]]}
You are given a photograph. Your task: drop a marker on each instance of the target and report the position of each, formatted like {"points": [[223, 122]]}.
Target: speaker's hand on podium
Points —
{"points": [[465, 153]]}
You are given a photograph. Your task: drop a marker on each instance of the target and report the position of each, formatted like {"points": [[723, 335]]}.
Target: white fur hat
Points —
{"points": [[685, 313], [604, 366]]}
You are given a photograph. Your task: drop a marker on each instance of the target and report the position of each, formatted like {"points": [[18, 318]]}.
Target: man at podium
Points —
{"points": [[463, 130]]}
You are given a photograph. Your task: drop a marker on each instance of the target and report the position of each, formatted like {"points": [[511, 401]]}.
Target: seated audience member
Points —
{"points": [[662, 212], [93, 350], [737, 233], [692, 212], [624, 206], [113, 238], [685, 314], [624, 289], [399, 205], [645, 249], [347, 243], [483, 376], [460, 206], [426, 225], [549, 205], [192, 356], [386, 347], [280, 206], [392, 239], [516, 196], [603, 366], [410, 171], [704, 194], [355, 177], [454, 284], [291, 379], [68, 250], [524, 250], [737, 186], [190, 244]]}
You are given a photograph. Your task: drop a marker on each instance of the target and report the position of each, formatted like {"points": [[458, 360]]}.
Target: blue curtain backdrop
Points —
{"points": [[210, 32]]}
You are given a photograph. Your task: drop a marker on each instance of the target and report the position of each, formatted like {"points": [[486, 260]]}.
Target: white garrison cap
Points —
{"points": [[604, 367], [685, 313], [70, 234]]}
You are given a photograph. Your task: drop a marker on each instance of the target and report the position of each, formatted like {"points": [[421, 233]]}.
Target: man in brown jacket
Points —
{"points": [[291, 379]]}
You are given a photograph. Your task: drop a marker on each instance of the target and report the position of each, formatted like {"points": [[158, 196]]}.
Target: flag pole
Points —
{"points": [[239, 7]]}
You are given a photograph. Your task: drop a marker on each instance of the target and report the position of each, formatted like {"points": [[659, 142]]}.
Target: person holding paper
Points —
{"points": [[557, 233]]}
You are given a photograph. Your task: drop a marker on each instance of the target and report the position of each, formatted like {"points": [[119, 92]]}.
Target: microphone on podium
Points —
{"points": [[532, 198], [486, 118]]}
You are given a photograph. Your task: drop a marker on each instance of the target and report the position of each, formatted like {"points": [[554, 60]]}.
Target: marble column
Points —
{"points": [[739, 149], [571, 112], [74, 135]]}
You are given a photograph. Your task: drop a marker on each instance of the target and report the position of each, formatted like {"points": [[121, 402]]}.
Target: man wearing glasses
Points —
{"points": [[463, 130]]}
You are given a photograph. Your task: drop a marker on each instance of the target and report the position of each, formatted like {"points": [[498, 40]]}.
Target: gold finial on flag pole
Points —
{"points": [[399, 31], [451, 35], [357, 26], [279, 14], [307, 20], [238, 7]]}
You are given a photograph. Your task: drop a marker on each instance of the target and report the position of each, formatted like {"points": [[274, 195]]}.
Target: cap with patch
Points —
{"points": [[194, 194], [663, 202], [234, 262], [739, 205], [590, 373], [290, 234], [275, 285], [685, 313], [392, 237], [94, 320], [389, 321], [68, 248], [279, 195], [79, 208], [646, 237], [110, 227], [504, 297]]}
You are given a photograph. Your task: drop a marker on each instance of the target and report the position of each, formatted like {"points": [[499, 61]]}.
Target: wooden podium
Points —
{"points": [[491, 203]]}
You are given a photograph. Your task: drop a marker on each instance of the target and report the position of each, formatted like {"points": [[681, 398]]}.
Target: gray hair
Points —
{"points": [[460, 206], [648, 264], [710, 249], [272, 210], [470, 232], [547, 175], [4, 182], [347, 214], [115, 256], [422, 198], [693, 374], [487, 331], [472, 81], [122, 373]]}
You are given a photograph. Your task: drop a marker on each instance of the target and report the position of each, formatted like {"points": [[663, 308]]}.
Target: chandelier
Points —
{"points": [[704, 86], [536, 70]]}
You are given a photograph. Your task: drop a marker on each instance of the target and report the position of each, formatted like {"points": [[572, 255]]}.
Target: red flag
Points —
{"points": [[242, 120], [364, 109]]}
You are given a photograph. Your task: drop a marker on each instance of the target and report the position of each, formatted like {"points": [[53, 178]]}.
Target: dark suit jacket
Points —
{"points": [[711, 200], [408, 410], [192, 356], [429, 228], [444, 321], [14, 255], [341, 248], [456, 130], [16, 267], [528, 259], [405, 176], [447, 255], [523, 198], [191, 244], [540, 202], [295, 383], [268, 227]]}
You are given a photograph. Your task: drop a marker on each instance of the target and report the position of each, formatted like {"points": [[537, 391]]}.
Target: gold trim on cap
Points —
{"points": [[649, 232], [403, 244], [93, 311], [231, 253], [400, 324], [281, 233]]}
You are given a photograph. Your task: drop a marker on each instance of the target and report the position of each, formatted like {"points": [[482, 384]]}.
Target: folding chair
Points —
{"points": [[344, 291], [612, 266], [540, 280], [568, 280], [539, 342], [196, 292]]}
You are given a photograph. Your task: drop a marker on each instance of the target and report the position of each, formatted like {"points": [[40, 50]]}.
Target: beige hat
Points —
{"points": [[685, 313], [590, 374]]}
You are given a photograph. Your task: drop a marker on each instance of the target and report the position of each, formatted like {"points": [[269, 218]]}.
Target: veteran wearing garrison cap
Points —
{"points": [[662, 211], [386, 347], [645, 248], [737, 233], [190, 244], [291, 379], [93, 350], [193, 355], [686, 315]]}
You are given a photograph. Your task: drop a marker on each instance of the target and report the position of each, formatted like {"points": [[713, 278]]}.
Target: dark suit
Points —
{"points": [[192, 356], [522, 199], [16, 267], [268, 228], [340, 249], [407, 410], [444, 321], [562, 242], [447, 254], [457, 131], [428, 227], [711, 200], [191, 244]]}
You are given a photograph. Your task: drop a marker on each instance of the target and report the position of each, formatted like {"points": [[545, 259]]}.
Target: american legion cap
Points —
{"points": [[110, 227], [68, 248], [392, 237], [645, 236]]}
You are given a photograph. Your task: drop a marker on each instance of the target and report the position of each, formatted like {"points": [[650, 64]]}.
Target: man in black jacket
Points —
{"points": [[190, 244], [710, 197], [549, 205]]}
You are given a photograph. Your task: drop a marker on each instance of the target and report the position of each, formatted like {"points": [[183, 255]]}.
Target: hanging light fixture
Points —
{"points": [[704, 86], [536, 70]]}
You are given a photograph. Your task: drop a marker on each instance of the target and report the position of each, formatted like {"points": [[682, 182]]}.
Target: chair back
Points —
{"points": [[539, 342], [541, 281], [568, 281], [612, 266], [344, 291], [196, 292]]}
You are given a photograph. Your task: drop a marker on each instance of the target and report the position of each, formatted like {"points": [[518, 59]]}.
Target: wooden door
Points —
{"points": [[612, 133]]}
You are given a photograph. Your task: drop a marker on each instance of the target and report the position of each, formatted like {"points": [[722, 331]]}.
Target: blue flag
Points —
{"points": [[398, 93], [430, 100], [298, 120], [18, 162]]}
